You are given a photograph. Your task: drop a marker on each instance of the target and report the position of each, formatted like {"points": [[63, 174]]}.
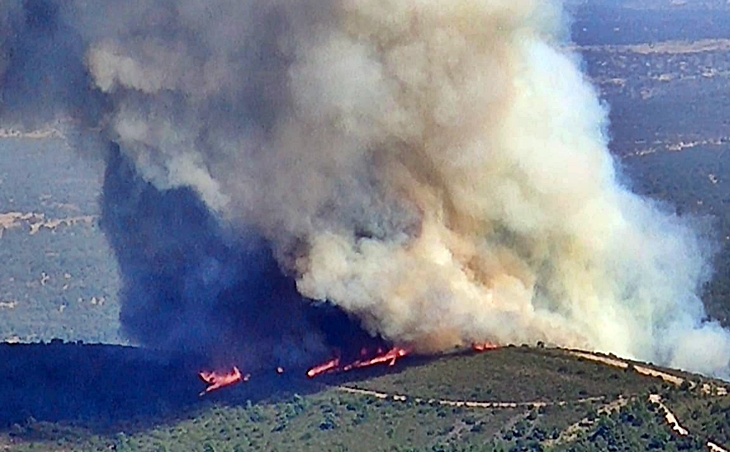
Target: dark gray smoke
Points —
{"points": [[436, 170], [42, 72], [189, 282]]}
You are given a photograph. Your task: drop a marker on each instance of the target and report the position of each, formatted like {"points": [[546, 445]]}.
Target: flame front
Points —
{"points": [[390, 357], [328, 366], [439, 171], [333, 365], [483, 346], [217, 380]]}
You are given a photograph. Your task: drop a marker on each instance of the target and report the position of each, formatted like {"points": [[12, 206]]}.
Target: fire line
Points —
{"points": [[390, 357], [217, 380], [483, 346], [324, 368]]}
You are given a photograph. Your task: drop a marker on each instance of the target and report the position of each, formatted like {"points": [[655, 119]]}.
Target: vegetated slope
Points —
{"points": [[524, 375], [706, 415], [515, 398], [670, 133]]}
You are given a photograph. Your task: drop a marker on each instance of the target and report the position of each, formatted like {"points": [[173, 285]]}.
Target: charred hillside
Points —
{"points": [[94, 383], [661, 67], [448, 181], [90, 397]]}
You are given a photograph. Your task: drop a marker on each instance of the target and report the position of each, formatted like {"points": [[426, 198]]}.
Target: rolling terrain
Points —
{"points": [[663, 69], [513, 398]]}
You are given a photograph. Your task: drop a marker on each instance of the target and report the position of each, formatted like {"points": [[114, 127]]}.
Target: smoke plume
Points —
{"points": [[436, 171]]}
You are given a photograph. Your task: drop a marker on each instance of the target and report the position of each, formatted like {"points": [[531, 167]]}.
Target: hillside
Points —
{"points": [[663, 69], [63, 397]]}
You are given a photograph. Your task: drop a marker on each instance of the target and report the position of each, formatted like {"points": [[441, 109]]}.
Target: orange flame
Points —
{"points": [[324, 368], [390, 357], [218, 380], [333, 365], [483, 346]]}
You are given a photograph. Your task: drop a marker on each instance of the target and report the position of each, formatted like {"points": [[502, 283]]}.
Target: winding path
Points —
{"points": [[465, 403], [669, 416]]}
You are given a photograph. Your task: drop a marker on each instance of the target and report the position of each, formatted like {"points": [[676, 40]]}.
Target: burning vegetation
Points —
{"points": [[367, 359], [217, 380], [296, 176], [484, 346]]}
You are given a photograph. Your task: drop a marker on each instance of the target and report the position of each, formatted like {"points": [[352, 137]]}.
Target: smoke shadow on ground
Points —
{"points": [[102, 386], [193, 283], [94, 384], [105, 387]]}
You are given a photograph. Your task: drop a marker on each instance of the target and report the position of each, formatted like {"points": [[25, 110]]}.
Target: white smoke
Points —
{"points": [[438, 169]]}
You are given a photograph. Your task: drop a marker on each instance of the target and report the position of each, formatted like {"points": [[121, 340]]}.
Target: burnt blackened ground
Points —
{"points": [[348, 411], [102, 384], [110, 387], [669, 133], [103, 387]]}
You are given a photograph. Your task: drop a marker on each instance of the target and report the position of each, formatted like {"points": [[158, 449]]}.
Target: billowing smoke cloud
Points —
{"points": [[436, 170]]}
